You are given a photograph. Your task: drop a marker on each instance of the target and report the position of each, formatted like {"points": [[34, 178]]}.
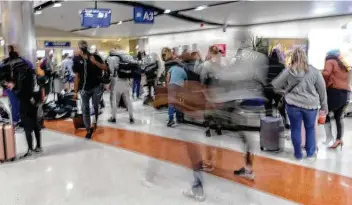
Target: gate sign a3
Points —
{"points": [[143, 16]]}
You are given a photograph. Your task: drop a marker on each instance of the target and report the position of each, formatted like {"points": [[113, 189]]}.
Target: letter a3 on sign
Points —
{"points": [[143, 16]]}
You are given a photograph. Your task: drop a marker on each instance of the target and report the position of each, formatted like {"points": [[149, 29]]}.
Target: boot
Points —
{"points": [[328, 132]]}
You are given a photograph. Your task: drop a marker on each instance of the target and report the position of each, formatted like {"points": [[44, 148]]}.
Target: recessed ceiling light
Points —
{"points": [[57, 5], [199, 8], [120, 22], [38, 12], [167, 11]]}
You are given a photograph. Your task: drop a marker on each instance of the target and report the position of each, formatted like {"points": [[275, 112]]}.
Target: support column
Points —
{"points": [[18, 27]]}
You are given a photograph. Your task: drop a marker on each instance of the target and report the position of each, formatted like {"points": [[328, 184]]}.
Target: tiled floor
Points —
{"points": [[75, 171]]}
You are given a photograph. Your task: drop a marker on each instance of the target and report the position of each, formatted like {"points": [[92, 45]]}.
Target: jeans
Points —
{"points": [[136, 87], [94, 94], [15, 106], [172, 99], [296, 115]]}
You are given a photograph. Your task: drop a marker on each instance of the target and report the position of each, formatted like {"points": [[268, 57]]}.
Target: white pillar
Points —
{"points": [[18, 27]]}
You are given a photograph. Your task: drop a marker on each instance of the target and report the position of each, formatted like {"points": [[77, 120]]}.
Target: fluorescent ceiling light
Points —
{"points": [[167, 11], [38, 12], [323, 10], [199, 8], [57, 5], [120, 22]]}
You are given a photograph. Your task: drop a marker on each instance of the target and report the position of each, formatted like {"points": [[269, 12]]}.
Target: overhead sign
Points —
{"points": [[143, 15], [50, 44], [222, 49], [96, 18]]}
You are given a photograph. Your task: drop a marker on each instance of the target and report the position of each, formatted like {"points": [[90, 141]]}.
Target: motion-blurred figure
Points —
{"points": [[275, 68], [69, 75]]}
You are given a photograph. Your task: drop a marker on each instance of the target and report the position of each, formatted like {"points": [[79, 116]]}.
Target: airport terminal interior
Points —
{"points": [[186, 107]]}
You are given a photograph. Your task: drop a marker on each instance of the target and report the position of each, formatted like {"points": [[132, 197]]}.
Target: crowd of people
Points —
{"points": [[296, 90]]}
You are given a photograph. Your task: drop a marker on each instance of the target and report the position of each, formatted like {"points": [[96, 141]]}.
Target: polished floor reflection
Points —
{"points": [[292, 182]]}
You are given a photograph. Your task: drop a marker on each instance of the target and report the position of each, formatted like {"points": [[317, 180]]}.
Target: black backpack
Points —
{"points": [[126, 70], [189, 67], [150, 71]]}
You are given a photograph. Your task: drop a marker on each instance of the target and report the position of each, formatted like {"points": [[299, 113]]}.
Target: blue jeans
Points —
{"points": [[296, 115], [136, 87], [15, 106], [94, 94], [172, 95]]}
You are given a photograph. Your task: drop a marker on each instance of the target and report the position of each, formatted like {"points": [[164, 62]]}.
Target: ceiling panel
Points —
{"points": [[162, 24], [252, 12], [67, 16], [179, 5]]}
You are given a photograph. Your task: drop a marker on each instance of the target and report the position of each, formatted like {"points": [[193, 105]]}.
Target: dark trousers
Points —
{"points": [[94, 94], [337, 101], [136, 89], [29, 118]]}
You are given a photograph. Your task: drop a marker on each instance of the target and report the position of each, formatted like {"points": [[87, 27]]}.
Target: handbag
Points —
{"points": [[282, 101]]}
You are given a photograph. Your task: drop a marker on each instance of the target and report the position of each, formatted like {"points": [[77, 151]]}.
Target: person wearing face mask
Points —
{"points": [[18, 76], [88, 71]]}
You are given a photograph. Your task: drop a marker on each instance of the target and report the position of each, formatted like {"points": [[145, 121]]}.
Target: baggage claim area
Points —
{"points": [[177, 102]]}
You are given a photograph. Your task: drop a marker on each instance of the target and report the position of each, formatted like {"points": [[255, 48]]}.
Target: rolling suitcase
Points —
{"points": [[7, 143], [77, 116], [271, 134]]}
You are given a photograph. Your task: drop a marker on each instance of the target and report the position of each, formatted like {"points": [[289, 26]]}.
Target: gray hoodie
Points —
{"points": [[310, 93]]}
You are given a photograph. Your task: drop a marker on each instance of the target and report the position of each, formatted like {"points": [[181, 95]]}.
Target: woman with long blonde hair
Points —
{"points": [[305, 92]]}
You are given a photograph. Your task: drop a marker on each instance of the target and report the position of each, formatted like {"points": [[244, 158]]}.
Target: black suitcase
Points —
{"points": [[272, 132]]}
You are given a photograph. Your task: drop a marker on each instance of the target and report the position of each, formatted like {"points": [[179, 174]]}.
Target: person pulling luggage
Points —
{"points": [[19, 77]]}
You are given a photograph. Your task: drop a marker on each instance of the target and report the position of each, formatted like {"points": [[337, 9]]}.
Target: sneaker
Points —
{"points": [[131, 120], [112, 120], [89, 134], [189, 193], [38, 150], [27, 155], [170, 123], [311, 159], [244, 173]]}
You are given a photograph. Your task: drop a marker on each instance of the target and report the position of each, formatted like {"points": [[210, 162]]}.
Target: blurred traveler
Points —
{"points": [[209, 71], [137, 76], [274, 70], [120, 86], [18, 75], [69, 76], [338, 83], [176, 76], [88, 71], [305, 92], [47, 65], [151, 73]]}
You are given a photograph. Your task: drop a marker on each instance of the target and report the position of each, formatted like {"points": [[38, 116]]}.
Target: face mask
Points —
{"points": [[13, 54]]}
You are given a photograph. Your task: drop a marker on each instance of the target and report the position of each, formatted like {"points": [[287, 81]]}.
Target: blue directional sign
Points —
{"points": [[96, 18], [49, 44], [143, 15]]}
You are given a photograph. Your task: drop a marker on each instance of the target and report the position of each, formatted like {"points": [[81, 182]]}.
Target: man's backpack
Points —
{"points": [[191, 74], [125, 70]]}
